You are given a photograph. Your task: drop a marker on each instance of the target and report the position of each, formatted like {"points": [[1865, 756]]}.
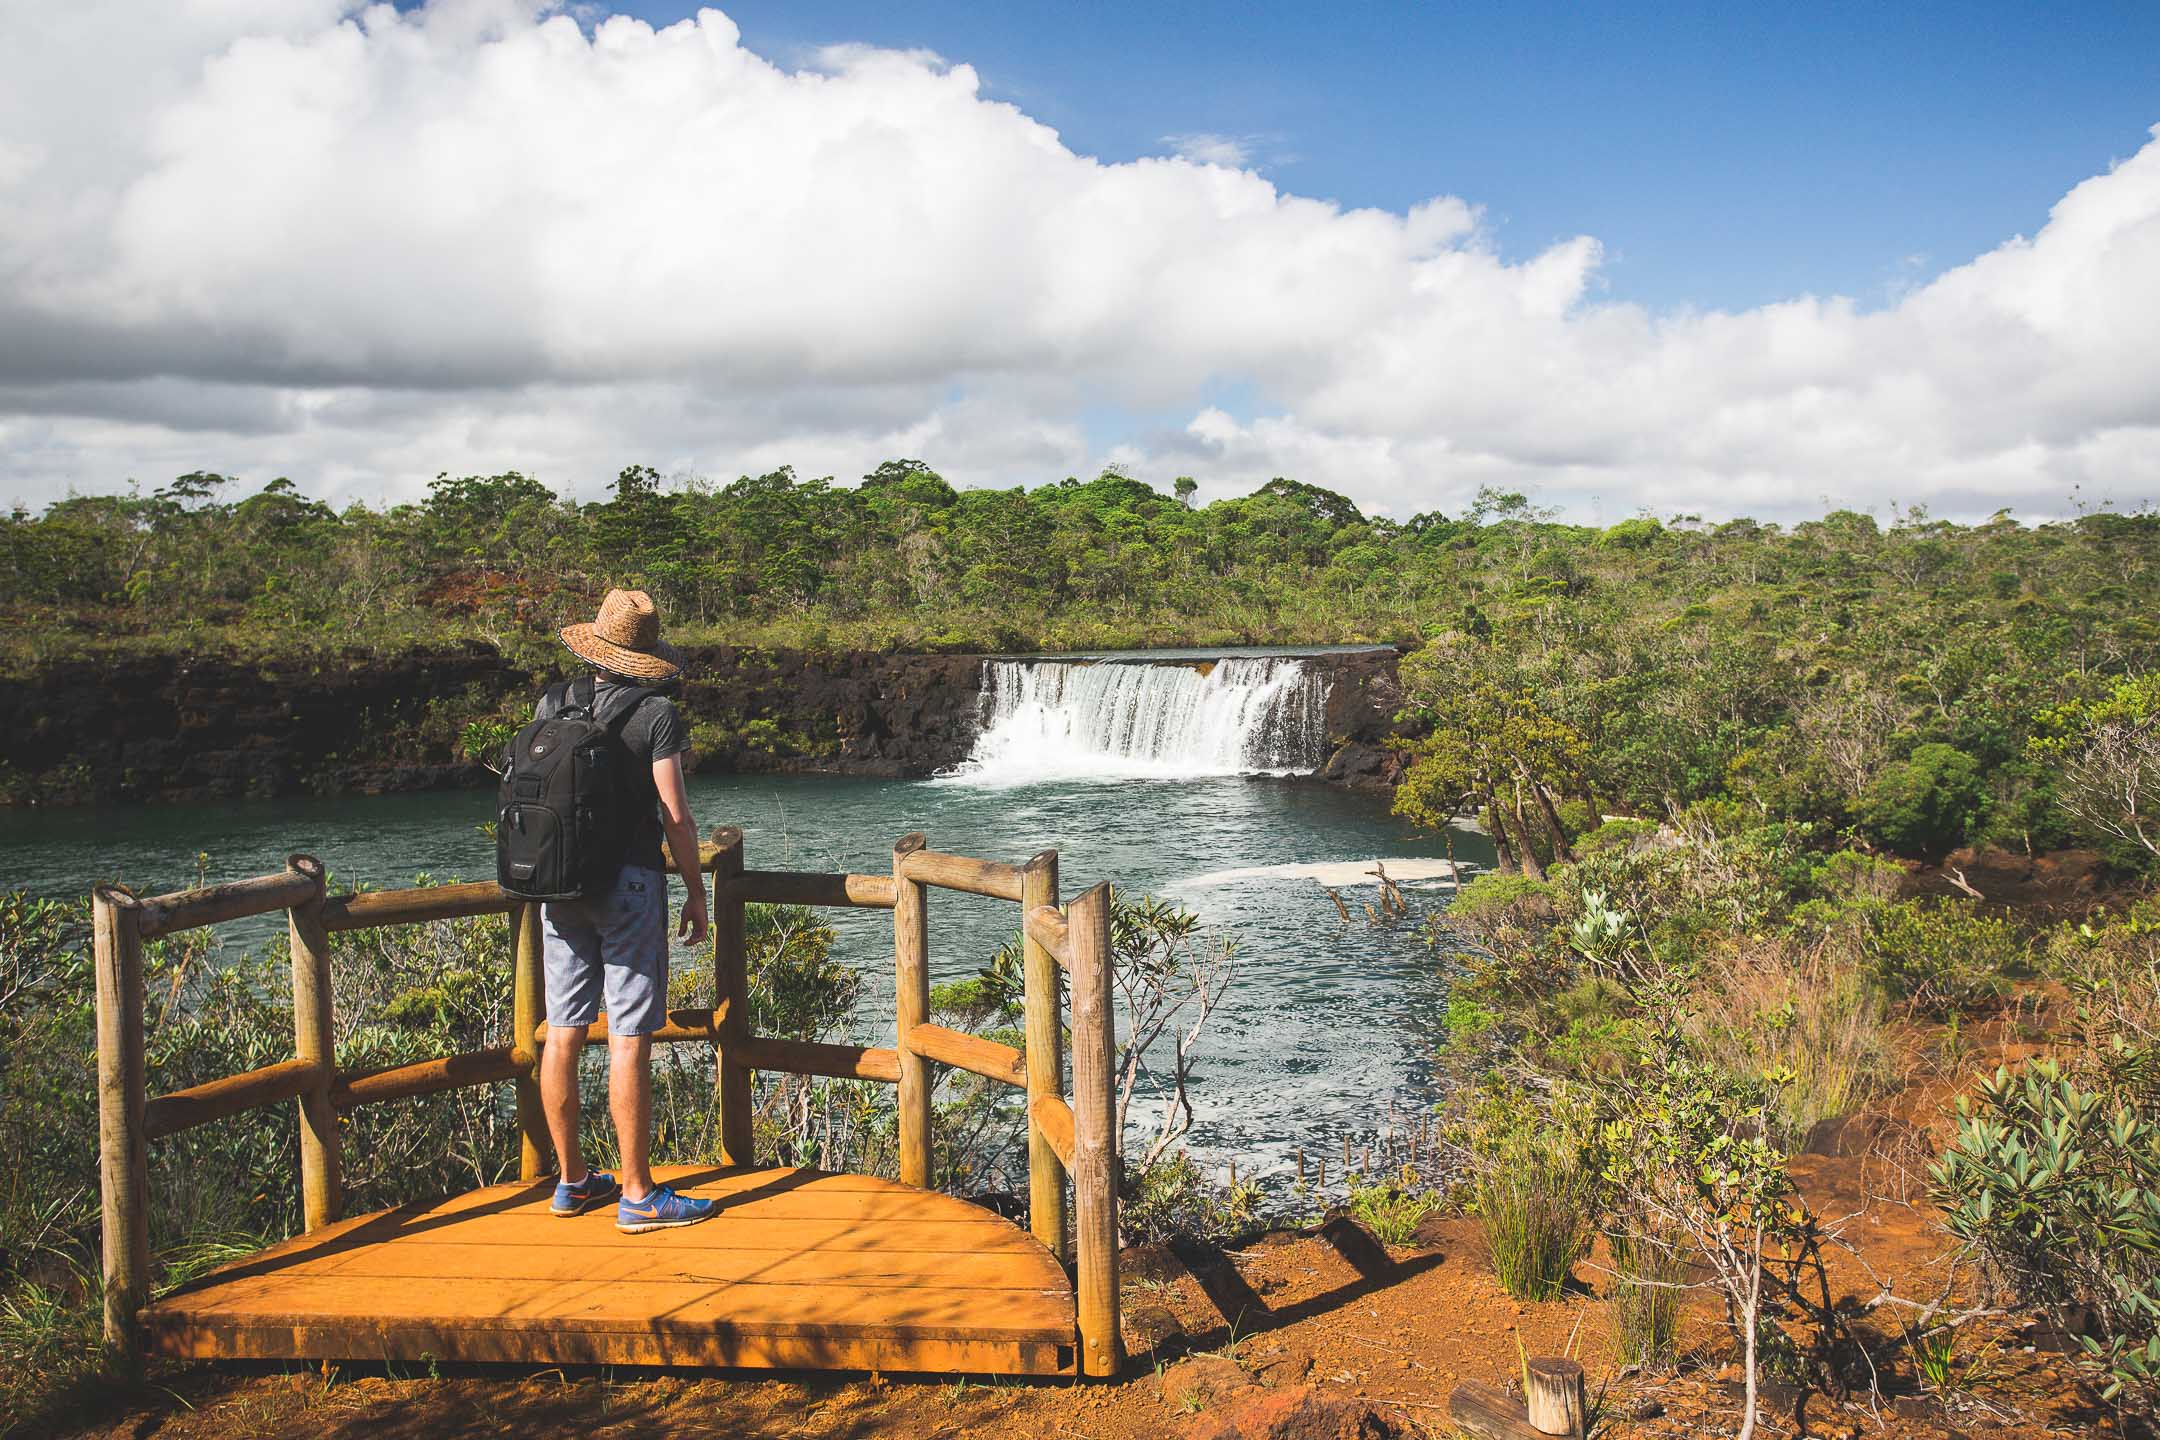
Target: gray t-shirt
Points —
{"points": [[652, 733]]}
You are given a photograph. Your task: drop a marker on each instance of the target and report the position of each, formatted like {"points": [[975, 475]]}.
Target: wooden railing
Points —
{"points": [[1075, 1139]]}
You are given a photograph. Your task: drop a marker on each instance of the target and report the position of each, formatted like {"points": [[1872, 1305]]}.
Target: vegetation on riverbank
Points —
{"points": [[1645, 1036], [1922, 683]]}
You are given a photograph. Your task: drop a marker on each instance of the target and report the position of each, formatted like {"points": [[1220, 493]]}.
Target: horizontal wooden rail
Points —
{"points": [[237, 899], [425, 1077], [1045, 925], [993, 878], [228, 1095], [191, 909], [680, 1025], [809, 1057], [415, 906], [987, 1058], [802, 887], [423, 903], [1054, 1118]]}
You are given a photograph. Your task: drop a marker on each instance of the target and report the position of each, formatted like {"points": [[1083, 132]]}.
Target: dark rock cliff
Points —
{"points": [[177, 727], [1366, 744]]}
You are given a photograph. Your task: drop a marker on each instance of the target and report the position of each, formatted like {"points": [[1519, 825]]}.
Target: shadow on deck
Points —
{"points": [[799, 1270]]}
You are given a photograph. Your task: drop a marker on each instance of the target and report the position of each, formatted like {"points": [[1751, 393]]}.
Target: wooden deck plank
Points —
{"points": [[926, 1237], [800, 1270], [606, 1305], [742, 1208], [880, 1267], [894, 1353]]}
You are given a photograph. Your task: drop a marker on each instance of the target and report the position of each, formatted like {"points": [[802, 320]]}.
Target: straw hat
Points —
{"points": [[624, 639]]}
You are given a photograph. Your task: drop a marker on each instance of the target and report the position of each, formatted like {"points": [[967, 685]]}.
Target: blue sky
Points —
{"points": [[1726, 155], [1723, 260]]}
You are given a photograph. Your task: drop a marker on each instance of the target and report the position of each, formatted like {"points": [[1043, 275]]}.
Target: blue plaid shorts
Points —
{"points": [[612, 946]]}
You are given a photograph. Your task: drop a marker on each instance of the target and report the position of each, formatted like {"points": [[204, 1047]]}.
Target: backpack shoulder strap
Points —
{"points": [[623, 708], [558, 699]]}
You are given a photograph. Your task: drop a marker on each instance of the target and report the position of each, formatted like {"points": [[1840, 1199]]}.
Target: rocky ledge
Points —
{"points": [[190, 727]]}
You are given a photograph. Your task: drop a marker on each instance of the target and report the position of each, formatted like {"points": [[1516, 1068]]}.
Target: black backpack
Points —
{"points": [[569, 806]]}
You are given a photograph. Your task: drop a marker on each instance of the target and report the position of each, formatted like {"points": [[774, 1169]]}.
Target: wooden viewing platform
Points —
{"points": [[799, 1269]]}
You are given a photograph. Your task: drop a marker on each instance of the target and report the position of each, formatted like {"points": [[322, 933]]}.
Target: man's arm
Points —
{"points": [[682, 845]]}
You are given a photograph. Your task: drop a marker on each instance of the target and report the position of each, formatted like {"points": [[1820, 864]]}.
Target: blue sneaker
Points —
{"points": [[597, 1188], [661, 1209]]}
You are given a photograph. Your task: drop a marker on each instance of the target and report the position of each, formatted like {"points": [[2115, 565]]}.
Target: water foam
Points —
{"points": [[1045, 720]]}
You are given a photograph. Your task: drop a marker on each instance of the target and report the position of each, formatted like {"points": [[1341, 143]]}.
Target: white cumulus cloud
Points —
{"points": [[1203, 148], [360, 247]]}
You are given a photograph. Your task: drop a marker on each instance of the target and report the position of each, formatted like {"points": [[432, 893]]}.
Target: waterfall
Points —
{"points": [[1111, 719]]}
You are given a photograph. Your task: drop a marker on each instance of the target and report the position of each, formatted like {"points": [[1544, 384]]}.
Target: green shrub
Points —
{"points": [[1943, 955], [1615, 835], [1631, 534], [2057, 1188], [1173, 1197], [2111, 967], [482, 741], [763, 735], [1926, 804], [1854, 876], [1598, 1029], [1496, 893], [1685, 1155], [709, 738], [1468, 1022], [1511, 922], [1391, 1209]]}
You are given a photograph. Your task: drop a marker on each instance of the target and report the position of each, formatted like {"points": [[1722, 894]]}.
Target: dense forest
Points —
{"points": [[1921, 684]]}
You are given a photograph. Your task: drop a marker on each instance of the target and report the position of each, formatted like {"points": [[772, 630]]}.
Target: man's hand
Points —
{"points": [[682, 844], [691, 929]]}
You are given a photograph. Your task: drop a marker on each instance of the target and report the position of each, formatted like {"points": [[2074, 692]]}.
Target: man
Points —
{"points": [[614, 946]]}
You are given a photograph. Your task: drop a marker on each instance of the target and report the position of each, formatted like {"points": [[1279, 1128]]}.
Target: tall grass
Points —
{"points": [[52, 1355], [1812, 1015], [1648, 1271], [1539, 1205]]}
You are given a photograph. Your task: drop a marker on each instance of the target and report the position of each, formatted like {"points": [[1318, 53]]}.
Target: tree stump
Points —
{"points": [[1554, 1396]]}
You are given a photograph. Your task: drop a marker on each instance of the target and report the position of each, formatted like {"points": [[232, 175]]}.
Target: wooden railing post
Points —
{"points": [[1045, 1057], [731, 1001], [1095, 1138], [123, 1151], [528, 1009], [314, 1041], [911, 1004]]}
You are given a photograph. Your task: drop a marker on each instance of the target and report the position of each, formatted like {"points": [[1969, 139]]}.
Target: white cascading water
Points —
{"points": [[1065, 720]]}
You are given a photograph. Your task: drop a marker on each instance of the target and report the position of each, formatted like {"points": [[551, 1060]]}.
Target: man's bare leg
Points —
{"points": [[630, 1100], [559, 1096]]}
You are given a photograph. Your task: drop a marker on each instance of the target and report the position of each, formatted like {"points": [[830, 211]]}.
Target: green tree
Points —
{"points": [[1926, 804]]}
